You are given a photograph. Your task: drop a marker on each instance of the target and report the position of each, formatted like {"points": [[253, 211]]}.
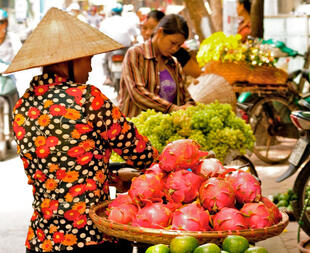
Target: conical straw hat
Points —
{"points": [[60, 37]]}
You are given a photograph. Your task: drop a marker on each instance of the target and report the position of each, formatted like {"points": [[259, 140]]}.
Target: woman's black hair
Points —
{"points": [[246, 4], [155, 14], [173, 24]]}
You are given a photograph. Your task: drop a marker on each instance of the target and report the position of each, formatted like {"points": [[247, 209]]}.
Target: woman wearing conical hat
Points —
{"points": [[65, 131]]}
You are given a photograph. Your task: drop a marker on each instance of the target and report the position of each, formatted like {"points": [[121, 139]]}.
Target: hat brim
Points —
{"points": [[60, 37]]}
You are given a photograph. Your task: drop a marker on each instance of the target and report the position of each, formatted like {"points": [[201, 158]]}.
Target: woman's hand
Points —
{"points": [[181, 107], [124, 177]]}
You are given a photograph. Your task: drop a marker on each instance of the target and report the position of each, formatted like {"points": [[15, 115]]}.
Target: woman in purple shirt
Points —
{"points": [[151, 77]]}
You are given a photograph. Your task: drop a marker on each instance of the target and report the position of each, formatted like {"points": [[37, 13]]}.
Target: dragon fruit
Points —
{"points": [[146, 187], [215, 193], [182, 186], [191, 217], [246, 186], [153, 215], [229, 219], [155, 169], [257, 215], [120, 199], [173, 205], [210, 167], [180, 154], [123, 213], [273, 209]]}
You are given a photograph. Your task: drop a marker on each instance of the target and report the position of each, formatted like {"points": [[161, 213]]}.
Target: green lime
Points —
{"points": [[282, 202], [208, 248], [224, 251], [183, 244], [235, 244], [290, 192], [275, 198], [284, 196], [289, 208], [256, 249], [158, 248]]}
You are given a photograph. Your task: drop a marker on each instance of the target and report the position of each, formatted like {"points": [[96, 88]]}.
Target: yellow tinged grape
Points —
{"points": [[214, 126]]}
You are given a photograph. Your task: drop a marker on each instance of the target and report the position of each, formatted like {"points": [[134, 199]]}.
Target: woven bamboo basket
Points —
{"points": [[244, 72], [155, 236], [213, 87]]}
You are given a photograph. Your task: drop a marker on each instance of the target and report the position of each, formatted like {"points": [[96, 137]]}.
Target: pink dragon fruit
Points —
{"points": [[229, 219], [247, 187], [256, 215], [155, 169], [182, 186], [146, 187], [191, 217], [174, 205], [120, 199], [180, 154], [153, 215], [273, 209], [215, 193], [210, 167], [123, 213]]}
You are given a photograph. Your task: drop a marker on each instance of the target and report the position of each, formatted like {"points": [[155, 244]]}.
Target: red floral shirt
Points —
{"points": [[65, 134]]}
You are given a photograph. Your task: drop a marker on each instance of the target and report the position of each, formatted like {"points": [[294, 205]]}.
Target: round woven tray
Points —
{"points": [[155, 236]]}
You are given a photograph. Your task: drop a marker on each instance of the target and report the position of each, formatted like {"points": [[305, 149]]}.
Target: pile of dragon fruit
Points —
{"points": [[185, 191]]}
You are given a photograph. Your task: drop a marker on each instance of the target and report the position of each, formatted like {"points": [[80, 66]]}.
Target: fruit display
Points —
{"points": [[180, 192], [214, 126], [223, 48], [189, 244], [283, 200]]}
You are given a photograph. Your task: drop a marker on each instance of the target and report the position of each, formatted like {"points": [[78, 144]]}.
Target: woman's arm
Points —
{"points": [[120, 134]]}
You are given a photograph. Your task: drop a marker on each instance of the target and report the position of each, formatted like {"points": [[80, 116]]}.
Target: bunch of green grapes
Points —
{"points": [[214, 126]]}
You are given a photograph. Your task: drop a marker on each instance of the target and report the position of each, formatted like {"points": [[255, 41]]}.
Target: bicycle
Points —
{"points": [[267, 110]]}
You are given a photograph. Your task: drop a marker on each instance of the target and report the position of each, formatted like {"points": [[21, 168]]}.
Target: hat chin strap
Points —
{"points": [[70, 71]]}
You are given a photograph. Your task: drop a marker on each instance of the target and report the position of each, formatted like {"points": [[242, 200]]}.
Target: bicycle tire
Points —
{"points": [[267, 145], [241, 160], [301, 184]]}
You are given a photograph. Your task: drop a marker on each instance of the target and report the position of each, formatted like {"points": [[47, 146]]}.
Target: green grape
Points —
{"points": [[214, 126], [116, 158]]}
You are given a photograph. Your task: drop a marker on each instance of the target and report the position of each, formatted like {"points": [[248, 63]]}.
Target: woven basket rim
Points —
{"points": [[108, 226]]}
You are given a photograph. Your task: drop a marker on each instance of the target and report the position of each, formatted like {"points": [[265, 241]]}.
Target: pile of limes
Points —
{"points": [[284, 199], [189, 244]]}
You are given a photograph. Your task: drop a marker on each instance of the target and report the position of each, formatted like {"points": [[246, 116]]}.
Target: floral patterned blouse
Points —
{"points": [[65, 134]]}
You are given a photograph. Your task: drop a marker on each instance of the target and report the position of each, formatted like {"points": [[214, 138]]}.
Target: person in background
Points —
{"points": [[117, 28], [65, 132], [9, 42], [132, 20], [151, 77], [75, 10], [188, 63], [93, 18], [243, 11]]}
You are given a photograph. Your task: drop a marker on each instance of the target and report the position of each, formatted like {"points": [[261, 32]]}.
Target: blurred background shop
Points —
{"points": [[284, 20]]}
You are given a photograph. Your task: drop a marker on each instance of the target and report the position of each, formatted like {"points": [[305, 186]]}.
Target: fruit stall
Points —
{"points": [[188, 194]]}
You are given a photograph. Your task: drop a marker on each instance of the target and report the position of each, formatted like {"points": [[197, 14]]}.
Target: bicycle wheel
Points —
{"points": [[274, 132], [302, 190], [245, 164]]}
